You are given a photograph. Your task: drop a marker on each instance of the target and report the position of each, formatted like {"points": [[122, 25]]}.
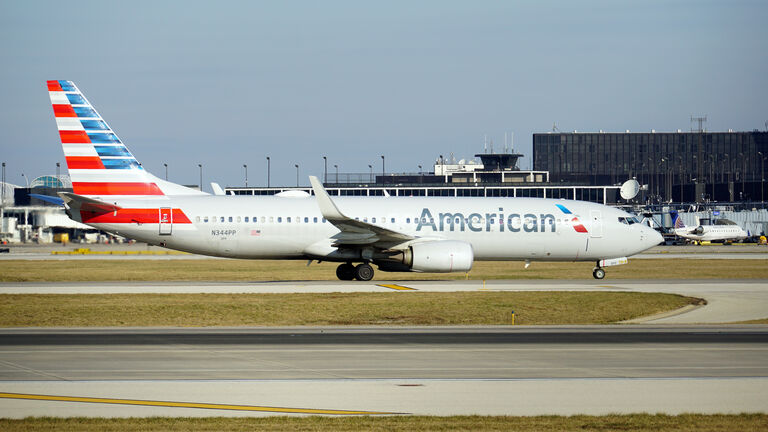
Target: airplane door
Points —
{"points": [[166, 221], [597, 224]]}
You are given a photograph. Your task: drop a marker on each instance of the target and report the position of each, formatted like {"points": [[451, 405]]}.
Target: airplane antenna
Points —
{"points": [[554, 127], [491, 146], [700, 121], [505, 142], [511, 142], [485, 143]]}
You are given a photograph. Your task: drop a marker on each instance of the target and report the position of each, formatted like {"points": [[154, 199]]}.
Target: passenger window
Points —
{"points": [[288, 219], [306, 220], [263, 219], [238, 219], [279, 219], [314, 219], [271, 219], [323, 220], [197, 219], [222, 219], [298, 219], [246, 219], [392, 220], [230, 218], [407, 220], [205, 219], [373, 220]]}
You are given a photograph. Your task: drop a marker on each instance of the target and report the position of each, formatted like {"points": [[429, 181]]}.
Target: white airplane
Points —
{"points": [[723, 230], [113, 193]]}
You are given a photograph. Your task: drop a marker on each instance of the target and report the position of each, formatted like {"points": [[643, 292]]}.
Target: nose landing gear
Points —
{"points": [[598, 273]]}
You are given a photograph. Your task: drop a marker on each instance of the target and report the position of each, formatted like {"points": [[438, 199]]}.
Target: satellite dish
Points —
{"points": [[629, 189]]}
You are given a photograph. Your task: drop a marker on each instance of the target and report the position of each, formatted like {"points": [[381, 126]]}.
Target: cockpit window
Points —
{"points": [[628, 220]]}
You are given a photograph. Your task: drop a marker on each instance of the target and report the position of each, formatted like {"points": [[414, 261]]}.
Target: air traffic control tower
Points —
{"points": [[500, 161]]}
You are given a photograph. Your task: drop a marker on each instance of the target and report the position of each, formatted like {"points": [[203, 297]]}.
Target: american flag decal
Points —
{"points": [[256, 232]]}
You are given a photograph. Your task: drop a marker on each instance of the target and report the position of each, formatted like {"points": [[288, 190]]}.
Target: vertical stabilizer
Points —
{"points": [[99, 164]]}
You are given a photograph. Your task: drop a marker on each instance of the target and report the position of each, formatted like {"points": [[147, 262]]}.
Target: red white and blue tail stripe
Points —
{"points": [[99, 164]]}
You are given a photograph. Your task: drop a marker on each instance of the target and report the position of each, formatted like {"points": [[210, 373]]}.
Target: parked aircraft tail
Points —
{"points": [[677, 221], [99, 163]]}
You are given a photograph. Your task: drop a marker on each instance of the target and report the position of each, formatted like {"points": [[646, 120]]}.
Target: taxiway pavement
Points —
{"points": [[432, 371]]}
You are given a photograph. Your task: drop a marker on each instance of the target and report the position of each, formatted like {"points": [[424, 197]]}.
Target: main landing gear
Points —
{"points": [[347, 271]]}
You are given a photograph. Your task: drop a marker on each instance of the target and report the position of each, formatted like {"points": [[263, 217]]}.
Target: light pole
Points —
{"points": [[370, 167], [268, 163], [201, 176], [297, 174], [58, 172], [743, 174], [26, 179], [762, 177], [325, 169], [246, 174], [712, 175], [337, 173], [2, 188], [383, 171], [166, 171]]}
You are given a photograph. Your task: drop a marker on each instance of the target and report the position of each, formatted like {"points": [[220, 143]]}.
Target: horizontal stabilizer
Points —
{"points": [[87, 204], [49, 199]]}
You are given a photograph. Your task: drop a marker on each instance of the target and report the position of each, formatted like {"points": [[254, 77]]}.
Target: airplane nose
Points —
{"points": [[652, 237]]}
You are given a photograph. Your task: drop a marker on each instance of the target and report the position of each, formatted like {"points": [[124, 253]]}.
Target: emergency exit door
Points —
{"points": [[166, 221]]}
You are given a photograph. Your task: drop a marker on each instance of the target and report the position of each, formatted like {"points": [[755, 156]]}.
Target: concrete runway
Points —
{"points": [[728, 300], [433, 371]]}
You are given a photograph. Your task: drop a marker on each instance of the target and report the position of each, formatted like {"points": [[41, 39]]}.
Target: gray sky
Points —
{"points": [[229, 83]]}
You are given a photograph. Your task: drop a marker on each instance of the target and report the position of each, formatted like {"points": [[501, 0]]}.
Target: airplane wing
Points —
{"points": [[354, 232], [87, 204]]}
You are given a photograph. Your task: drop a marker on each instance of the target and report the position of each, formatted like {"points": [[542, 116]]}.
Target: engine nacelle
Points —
{"points": [[439, 256]]}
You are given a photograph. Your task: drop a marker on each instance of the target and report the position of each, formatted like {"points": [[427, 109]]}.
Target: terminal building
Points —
{"points": [[495, 175], [676, 166]]}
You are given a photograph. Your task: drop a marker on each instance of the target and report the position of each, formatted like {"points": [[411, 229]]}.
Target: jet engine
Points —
{"points": [[439, 256]]}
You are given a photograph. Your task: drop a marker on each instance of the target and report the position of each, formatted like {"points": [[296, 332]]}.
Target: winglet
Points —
{"points": [[327, 207]]}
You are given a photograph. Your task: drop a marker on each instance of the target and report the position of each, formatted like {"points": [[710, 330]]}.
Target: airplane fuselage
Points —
{"points": [[294, 228]]}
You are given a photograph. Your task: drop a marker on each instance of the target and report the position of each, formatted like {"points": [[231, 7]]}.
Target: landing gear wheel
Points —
{"points": [[345, 271], [598, 273], [364, 272]]}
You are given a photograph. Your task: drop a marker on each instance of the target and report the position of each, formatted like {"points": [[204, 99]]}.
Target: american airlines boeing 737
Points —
{"points": [[112, 192]]}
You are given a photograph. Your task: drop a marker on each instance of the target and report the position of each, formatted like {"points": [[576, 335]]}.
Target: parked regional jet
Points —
{"points": [[723, 230], [113, 192]]}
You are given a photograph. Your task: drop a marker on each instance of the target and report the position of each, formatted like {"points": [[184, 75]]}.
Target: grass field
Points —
{"points": [[395, 308], [635, 422], [247, 270]]}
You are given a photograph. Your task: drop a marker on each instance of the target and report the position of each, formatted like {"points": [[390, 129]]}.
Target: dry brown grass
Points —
{"points": [[395, 308], [632, 422], [270, 270]]}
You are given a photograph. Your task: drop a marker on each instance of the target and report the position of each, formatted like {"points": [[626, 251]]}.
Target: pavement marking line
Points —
{"points": [[397, 287], [188, 405]]}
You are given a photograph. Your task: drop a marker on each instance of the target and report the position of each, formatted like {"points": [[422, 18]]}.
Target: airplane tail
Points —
{"points": [[677, 221], [99, 163]]}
